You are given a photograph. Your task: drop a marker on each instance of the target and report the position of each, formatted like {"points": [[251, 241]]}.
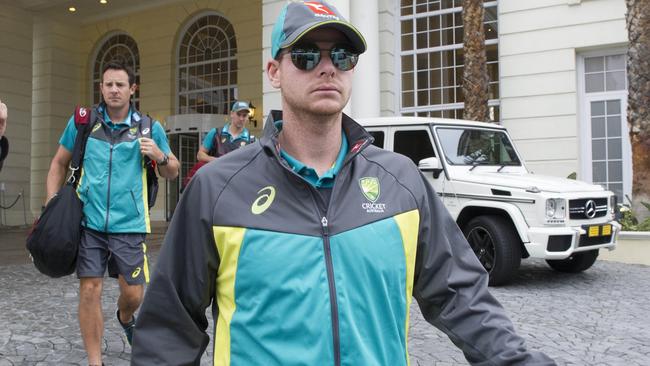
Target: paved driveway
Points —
{"points": [[599, 317]]}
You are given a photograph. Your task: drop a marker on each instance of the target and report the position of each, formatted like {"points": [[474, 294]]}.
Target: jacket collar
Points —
{"points": [[132, 118], [358, 138]]}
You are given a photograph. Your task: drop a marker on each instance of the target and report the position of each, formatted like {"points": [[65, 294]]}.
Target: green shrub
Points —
{"points": [[629, 222]]}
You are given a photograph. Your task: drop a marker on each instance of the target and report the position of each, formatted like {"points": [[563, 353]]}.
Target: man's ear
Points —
{"points": [[273, 72], [133, 88]]}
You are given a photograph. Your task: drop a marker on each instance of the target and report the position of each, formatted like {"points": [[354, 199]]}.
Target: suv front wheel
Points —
{"points": [[496, 246], [577, 262]]}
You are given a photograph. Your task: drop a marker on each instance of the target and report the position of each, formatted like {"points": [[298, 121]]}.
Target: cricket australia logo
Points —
{"points": [[371, 190], [132, 133]]}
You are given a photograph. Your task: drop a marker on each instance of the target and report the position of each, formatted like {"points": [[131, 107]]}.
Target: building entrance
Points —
{"points": [[185, 133]]}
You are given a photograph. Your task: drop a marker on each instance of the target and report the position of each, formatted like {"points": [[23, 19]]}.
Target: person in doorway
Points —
{"points": [[4, 142], [232, 136], [311, 245], [115, 207], [220, 141]]}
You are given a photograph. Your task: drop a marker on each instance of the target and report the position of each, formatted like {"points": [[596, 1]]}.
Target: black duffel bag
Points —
{"points": [[53, 243], [54, 240]]}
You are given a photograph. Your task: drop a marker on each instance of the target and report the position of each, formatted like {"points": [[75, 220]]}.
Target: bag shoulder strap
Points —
{"points": [[216, 142], [146, 124], [146, 129], [84, 119]]}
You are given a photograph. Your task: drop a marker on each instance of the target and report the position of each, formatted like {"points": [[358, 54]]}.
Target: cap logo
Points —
{"points": [[319, 8]]}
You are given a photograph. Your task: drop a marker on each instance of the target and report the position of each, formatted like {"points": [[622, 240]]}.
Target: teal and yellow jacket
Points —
{"points": [[113, 183], [294, 280]]}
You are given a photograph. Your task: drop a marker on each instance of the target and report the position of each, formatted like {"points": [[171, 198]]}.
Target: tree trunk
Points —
{"points": [[638, 107], [475, 76]]}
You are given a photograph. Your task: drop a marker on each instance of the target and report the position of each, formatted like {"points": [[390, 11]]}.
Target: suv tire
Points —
{"points": [[496, 246], [577, 262]]}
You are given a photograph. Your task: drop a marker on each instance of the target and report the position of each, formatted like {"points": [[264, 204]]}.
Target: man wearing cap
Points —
{"points": [[231, 137], [311, 245]]}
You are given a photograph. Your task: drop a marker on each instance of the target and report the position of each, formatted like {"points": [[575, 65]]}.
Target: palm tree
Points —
{"points": [[638, 107], [475, 76]]}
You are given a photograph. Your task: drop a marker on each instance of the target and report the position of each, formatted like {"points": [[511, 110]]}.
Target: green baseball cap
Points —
{"points": [[240, 105], [298, 18]]}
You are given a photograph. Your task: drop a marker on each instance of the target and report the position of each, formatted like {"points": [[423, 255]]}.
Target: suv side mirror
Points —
{"points": [[431, 165]]}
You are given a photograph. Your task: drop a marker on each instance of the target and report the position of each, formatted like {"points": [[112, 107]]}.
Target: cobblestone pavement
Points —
{"points": [[599, 317]]}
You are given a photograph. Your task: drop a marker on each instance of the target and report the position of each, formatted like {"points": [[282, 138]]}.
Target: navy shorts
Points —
{"points": [[124, 254]]}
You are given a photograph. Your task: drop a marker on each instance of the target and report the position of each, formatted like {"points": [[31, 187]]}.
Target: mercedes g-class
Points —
{"points": [[506, 212]]}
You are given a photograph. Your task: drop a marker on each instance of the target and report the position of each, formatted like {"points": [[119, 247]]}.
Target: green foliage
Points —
{"points": [[573, 176], [630, 222], [627, 219]]}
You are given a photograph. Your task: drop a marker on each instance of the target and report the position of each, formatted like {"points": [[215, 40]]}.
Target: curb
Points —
{"points": [[634, 235]]}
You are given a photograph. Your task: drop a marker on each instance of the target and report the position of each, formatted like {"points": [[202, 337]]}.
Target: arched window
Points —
{"points": [[207, 66], [120, 47]]}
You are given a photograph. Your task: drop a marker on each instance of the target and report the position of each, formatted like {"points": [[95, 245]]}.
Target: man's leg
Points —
{"points": [[91, 320], [129, 300], [128, 264]]}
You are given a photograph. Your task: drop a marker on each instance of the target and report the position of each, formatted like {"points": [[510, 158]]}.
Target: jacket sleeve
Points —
{"points": [[171, 324], [451, 288]]}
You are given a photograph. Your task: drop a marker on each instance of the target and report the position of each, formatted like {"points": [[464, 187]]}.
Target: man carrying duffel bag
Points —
{"points": [[112, 186]]}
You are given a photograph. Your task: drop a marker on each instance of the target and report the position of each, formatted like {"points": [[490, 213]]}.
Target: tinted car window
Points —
{"points": [[379, 138], [468, 146], [415, 144]]}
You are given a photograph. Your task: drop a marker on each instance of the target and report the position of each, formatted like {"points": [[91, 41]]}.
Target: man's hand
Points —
{"points": [[3, 118], [149, 148]]}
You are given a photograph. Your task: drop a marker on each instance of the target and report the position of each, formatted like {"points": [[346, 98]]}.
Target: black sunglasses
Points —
{"points": [[306, 56]]}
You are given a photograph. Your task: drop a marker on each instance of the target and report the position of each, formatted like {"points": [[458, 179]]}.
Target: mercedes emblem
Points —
{"points": [[590, 209]]}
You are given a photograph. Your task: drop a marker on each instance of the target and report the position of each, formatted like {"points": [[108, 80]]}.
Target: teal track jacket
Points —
{"points": [[293, 280]]}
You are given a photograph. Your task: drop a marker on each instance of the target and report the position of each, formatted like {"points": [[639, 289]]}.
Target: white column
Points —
{"points": [[366, 101], [270, 96], [343, 6]]}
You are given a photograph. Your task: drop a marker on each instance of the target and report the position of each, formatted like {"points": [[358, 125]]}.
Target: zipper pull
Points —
{"points": [[323, 222]]}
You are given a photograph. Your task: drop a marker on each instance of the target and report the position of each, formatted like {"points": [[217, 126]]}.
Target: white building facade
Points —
{"points": [[564, 87], [556, 69]]}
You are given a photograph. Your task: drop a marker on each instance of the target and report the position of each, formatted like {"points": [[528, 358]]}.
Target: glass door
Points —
{"points": [[185, 146]]}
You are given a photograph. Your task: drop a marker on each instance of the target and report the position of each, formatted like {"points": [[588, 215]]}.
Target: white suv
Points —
{"points": [[505, 211]]}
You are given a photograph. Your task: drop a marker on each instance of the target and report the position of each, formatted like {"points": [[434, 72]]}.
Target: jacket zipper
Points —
{"points": [[328, 252], [332, 287], [110, 173], [329, 267]]}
